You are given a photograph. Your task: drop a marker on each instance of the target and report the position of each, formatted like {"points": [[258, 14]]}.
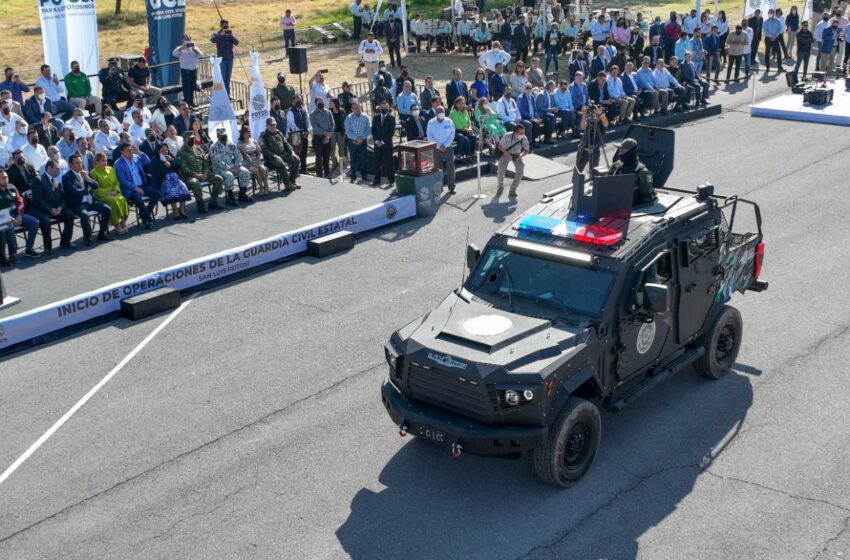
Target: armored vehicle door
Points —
{"points": [[643, 334], [699, 275]]}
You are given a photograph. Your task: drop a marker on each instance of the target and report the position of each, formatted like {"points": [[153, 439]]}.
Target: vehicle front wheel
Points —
{"points": [[572, 444], [721, 344]]}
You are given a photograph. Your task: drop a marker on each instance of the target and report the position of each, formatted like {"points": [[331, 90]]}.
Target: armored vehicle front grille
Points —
{"points": [[449, 391]]}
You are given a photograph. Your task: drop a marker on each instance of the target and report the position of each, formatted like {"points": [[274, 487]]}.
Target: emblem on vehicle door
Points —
{"points": [[645, 338], [446, 361]]}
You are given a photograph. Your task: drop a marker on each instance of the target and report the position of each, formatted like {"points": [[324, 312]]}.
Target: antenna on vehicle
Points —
{"points": [[463, 269]]}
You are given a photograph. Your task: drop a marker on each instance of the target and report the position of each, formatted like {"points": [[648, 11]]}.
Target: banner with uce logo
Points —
{"points": [[166, 26]]}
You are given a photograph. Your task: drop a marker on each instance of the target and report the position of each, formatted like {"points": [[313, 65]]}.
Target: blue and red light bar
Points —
{"points": [[606, 234]]}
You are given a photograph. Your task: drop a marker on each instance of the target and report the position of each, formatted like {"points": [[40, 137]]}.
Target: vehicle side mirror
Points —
{"points": [[656, 298], [473, 253]]}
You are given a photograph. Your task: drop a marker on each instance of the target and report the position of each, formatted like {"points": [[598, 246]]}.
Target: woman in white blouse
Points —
{"points": [[173, 140], [163, 115]]}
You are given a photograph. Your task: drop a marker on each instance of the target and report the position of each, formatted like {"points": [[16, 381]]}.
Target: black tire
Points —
{"points": [[572, 444], [721, 344]]}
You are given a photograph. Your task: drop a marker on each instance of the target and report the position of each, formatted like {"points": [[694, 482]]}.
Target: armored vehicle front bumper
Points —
{"points": [[457, 433]]}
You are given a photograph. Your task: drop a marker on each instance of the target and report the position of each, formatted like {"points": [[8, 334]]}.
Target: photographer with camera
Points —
{"points": [[593, 125], [188, 55], [224, 41], [513, 146]]}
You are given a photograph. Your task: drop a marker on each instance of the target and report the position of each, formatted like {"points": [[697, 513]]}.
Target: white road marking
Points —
{"points": [[14, 466]]}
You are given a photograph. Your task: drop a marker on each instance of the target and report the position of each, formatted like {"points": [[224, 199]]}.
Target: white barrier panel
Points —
{"points": [[77, 309]]}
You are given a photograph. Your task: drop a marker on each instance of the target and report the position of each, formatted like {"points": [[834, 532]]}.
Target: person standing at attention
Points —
{"points": [[287, 23]]}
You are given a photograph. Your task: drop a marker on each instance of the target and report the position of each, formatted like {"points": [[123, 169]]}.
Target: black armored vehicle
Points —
{"points": [[581, 302]]}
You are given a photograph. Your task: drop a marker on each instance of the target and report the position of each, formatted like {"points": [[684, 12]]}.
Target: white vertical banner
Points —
{"points": [[221, 112], [377, 11], [807, 11], [764, 5], [698, 7], [404, 25], [81, 24], [54, 35], [259, 104]]}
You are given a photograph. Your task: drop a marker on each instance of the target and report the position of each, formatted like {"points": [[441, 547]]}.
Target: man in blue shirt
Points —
{"points": [[646, 83], [441, 131], [406, 101], [525, 103], [546, 109], [134, 183], [564, 103], [224, 41], [14, 84], [829, 46], [357, 128], [772, 33]]}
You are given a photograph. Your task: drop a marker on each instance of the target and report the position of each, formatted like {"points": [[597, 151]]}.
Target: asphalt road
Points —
{"points": [[251, 426]]}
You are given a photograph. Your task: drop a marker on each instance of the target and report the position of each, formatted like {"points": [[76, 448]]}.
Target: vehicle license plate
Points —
{"points": [[432, 434]]}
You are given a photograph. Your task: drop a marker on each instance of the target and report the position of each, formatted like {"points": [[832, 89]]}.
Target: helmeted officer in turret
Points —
{"points": [[627, 162]]}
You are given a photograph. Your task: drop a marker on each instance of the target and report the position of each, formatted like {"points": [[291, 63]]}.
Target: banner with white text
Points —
{"points": [[68, 33], [166, 26], [71, 311]]}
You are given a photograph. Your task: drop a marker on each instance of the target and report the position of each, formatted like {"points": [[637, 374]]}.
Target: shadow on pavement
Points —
{"points": [[435, 506]]}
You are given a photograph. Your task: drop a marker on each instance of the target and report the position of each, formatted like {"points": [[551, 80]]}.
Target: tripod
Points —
{"points": [[591, 144]]}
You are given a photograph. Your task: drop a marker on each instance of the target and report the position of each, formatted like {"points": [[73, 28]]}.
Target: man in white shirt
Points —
{"points": [[54, 90], [138, 105], [690, 23], [370, 52], [33, 152], [441, 131], [137, 129], [748, 47], [318, 89], [105, 140], [5, 152], [509, 112], [494, 56], [78, 124], [8, 119], [665, 81], [420, 33], [287, 24]]}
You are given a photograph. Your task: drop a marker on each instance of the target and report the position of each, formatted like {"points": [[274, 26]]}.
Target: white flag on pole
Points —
{"points": [[807, 11], [763, 5], [404, 25], [375, 18], [221, 112], [259, 104]]}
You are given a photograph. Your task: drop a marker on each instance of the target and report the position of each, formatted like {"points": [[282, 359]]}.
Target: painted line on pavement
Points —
{"points": [[65, 417]]}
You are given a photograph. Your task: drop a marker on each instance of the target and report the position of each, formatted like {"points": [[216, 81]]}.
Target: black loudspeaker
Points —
{"points": [[297, 60]]}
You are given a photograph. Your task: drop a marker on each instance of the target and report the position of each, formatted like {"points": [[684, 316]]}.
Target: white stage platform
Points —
{"points": [[790, 106]]}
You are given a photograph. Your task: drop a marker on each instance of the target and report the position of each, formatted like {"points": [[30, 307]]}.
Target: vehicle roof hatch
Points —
{"points": [[655, 150]]}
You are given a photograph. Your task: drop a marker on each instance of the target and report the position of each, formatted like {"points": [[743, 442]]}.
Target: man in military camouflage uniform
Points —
{"points": [[196, 168], [227, 162], [628, 162], [279, 155]]}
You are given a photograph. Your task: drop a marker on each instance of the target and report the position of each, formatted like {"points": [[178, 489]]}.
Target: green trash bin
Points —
{"points": [[426, 188]]}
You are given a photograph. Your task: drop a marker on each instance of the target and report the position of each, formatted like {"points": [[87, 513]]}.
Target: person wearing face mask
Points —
{"points": [[318, 89], [383, 130], [108, 192], [383, 75], [19, 138], [415, 127], [185, 119], [197, 168], [55, 92], [48, 204], [86, 155], [9, 121], [150, 145], [36, 106], [346, 98], [79, 89], [279, 156], [48, 134], [54, 156], [441, 131], [227, 163], [14, 85], [78, 124], [33, 152], [11, 200], [138, 131], [357, 128], [829, 46], [278, 114], [322, 121], [105, 140], [114, 84], [138, 106], [512, 147], [188, 55], [78, 197], [298, 128], [164, 176], [284, 92]]}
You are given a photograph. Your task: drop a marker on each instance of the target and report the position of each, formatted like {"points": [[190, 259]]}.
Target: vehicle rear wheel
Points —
{"points": [[721, 344], [572, 444]]}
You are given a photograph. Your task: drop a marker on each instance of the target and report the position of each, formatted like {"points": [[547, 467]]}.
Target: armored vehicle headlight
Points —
{"points": [[511, 397], [528, 394]]}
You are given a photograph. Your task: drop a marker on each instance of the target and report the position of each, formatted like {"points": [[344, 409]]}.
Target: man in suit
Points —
{"points": [[416, 126], [526, 104], [48, 134], [456, 88], [756, 23], [545, 109], [393, 34], [184, 120], [383, 128], [693, 81], [77, 187], [134, 182], [48, 203], [578, 64], [150, 145], [21, 174], [598, 92], [521, 40], [598, 63], [497, 82], [36, 105], [654, 51]]}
